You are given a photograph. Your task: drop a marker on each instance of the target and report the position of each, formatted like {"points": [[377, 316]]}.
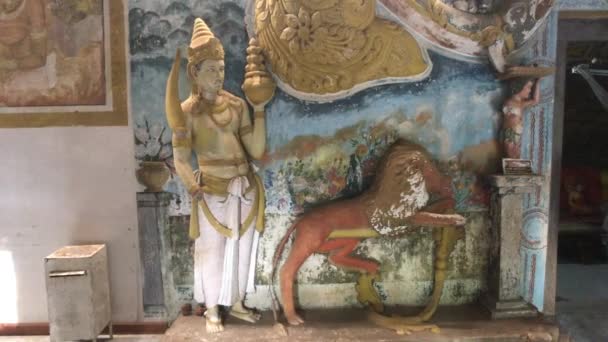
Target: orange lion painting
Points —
{"points": [[408, 192]]}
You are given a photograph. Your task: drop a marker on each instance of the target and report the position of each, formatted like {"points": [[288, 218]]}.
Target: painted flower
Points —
{"points": [[153, 142], [303, 30]]}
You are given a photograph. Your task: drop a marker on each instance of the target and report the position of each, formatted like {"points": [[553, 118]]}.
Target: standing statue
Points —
{"points": [[513, 111], [227, 196]]}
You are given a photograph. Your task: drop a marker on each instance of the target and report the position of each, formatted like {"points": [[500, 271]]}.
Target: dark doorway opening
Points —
{"points": [[580, 176]]}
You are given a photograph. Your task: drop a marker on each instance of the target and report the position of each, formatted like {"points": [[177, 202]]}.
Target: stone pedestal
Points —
{"points": [[503, 298], [78, 292], [152, 215], [456, 323]]}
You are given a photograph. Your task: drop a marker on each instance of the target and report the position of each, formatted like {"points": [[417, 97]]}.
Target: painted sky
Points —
{"points": [[463, 97]]}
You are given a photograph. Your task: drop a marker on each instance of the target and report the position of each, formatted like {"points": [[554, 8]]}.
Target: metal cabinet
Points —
{"points": [[78, 292]]}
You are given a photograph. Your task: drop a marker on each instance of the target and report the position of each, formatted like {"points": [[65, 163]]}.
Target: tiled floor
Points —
{"points": [[582, 307], [586, 325]]}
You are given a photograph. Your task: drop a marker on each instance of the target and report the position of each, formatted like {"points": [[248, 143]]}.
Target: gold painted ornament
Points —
{"points": [[333, 48], [258, 86]]}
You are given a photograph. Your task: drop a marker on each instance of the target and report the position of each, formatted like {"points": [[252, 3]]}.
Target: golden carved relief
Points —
{"points": [[331, 46]]}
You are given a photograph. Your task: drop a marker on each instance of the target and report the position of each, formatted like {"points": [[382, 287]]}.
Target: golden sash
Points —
{"points": [[219, 186]]}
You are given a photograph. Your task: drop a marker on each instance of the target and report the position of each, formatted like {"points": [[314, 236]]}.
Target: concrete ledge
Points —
{"points": [[456, 324]]}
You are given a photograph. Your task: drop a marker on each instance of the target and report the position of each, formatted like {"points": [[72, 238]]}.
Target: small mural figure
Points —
{"points": [[513, 111], [23, 45], [227, 196], [354, 177]]}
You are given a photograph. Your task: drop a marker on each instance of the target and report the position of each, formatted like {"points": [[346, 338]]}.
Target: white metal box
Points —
{"points": [[78, 292]]}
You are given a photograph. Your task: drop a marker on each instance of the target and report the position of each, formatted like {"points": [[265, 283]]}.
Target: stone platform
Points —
{"points": [[462, 323]]}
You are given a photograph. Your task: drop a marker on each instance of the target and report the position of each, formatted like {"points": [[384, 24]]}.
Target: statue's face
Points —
{"points": [[209, 75]]}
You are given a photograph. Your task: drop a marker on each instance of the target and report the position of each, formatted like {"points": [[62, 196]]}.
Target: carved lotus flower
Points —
{"points": [[303, 30]]}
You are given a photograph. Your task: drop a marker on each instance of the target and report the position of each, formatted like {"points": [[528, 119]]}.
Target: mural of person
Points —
{"points": [[24, 36], [354, 176], [513, 111], [227, 197], [52, 53]]}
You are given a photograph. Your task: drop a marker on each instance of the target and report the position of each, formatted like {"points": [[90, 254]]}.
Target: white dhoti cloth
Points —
{"points": [[224, 268]]}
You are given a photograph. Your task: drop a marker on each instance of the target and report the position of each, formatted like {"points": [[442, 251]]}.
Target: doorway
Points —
{"points": [[581, 214]]}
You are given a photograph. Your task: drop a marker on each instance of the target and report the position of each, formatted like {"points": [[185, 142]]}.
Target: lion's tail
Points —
{"points": [[275, 263]]}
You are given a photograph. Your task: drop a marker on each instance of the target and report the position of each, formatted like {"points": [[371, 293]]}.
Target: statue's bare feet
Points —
{"points": [[294, 319], [239, 311], [199, 310], [213, 320]]}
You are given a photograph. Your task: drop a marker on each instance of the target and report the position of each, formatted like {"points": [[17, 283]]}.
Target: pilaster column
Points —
{"points": [[503, 298], [152, 215]]}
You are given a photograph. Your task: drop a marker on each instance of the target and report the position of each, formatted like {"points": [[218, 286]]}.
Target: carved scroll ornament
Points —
{"points": [[325, 49], [473, 29]]}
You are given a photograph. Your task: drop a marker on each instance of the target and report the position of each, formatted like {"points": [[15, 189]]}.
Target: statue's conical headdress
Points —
{"points": [[203, 44]]}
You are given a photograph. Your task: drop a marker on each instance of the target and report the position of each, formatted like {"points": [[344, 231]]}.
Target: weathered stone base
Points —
{"points": [[456, 324], [509, 309]]}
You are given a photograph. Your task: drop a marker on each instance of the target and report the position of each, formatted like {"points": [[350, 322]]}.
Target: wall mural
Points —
{"points": [[55, 58], [318, 152], [30, 78]]}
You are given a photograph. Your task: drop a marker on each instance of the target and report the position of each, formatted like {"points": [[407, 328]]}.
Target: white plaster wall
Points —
{"points": [[60, 186]]}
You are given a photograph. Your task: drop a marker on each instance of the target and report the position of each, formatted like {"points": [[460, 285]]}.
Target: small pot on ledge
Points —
{"points": [[153, 175]]}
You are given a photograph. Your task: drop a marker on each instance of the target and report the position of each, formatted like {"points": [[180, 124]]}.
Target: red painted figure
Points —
{"points": [[513, 110]]}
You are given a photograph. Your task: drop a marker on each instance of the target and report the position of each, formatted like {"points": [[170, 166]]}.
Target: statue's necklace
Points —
{"points": [[216, 109]]}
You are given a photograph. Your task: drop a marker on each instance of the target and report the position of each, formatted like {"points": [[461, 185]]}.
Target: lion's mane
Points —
{"points": [[398, 189]]}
